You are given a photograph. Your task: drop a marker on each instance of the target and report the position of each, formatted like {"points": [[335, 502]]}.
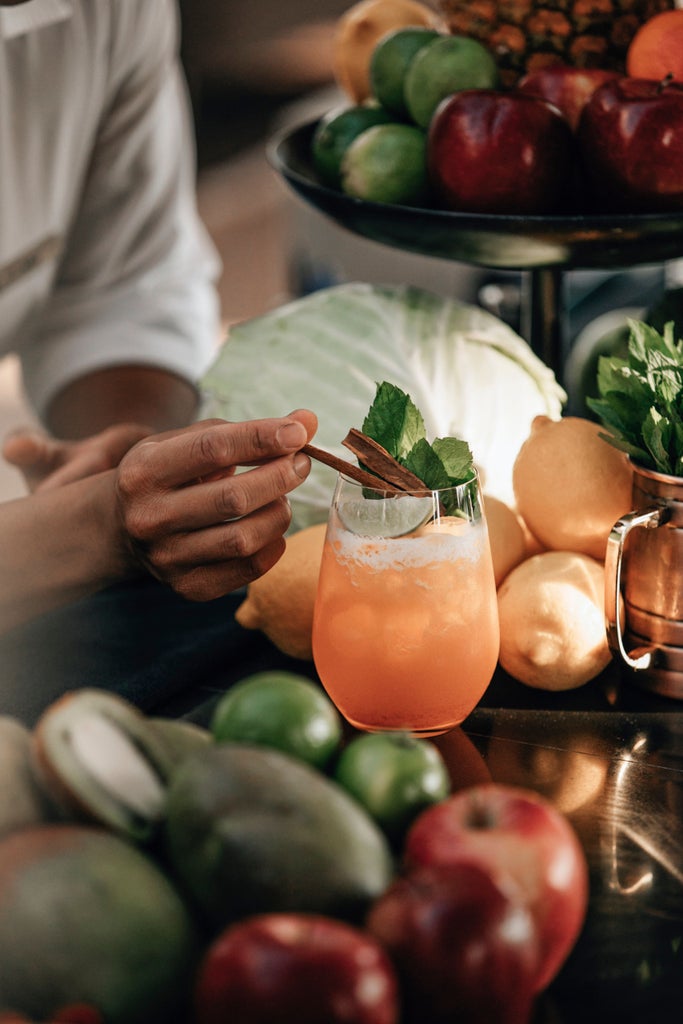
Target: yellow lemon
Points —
{"points": [[552, 623], [571, 485], [280, 603], [506, 536]]}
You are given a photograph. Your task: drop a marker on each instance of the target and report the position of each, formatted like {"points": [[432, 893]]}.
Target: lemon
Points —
{"points": [[506, 537], [571, 485], [335, 133], [386, 517], [280, 603], [387, 164], [389, 64], [446, 65], [552, 621]]}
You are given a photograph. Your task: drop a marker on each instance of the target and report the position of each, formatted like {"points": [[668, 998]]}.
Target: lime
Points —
{"points": [[394, 776], [386, 517], [390, 61], [444, 66], [335, 132], [280, 710], [387, 164]]}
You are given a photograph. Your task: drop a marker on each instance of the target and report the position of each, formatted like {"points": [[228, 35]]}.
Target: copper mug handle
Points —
{"points": [[641, 657]]}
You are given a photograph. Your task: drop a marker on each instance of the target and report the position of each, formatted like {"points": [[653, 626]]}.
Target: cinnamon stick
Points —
{"points": [[348, 469], [379, 461]]}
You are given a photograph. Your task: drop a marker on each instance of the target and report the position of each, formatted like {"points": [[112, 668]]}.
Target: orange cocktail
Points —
{"points": [[405, 630]]}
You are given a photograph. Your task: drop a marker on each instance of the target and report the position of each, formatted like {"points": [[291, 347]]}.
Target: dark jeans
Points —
{"points": [[166, 655]]}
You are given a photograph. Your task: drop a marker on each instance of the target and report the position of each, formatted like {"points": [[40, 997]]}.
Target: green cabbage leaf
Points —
{"points": [[470, 375]]}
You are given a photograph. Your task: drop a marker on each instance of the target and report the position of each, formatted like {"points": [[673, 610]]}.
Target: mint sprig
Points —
{"points": [[395, 422], [641, 401]]}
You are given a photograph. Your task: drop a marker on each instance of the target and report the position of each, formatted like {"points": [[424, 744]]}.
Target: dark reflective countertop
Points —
{"points": [[610, 757]]}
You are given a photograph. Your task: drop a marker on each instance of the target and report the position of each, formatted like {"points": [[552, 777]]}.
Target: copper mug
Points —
{"points": [[644, 584]]}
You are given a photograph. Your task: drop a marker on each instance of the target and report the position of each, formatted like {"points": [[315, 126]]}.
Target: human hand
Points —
{"points": [[48, 462], [195, 524]]}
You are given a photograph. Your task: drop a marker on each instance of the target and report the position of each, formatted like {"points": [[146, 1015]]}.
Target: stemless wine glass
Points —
{"points": [[405, 627]]}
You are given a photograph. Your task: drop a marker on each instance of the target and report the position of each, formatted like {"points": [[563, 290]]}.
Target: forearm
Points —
{"points": [[59, 546], [120, 394]]}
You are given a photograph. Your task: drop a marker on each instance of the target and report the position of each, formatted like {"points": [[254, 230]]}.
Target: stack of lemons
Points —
{"points": [[570, 488]]}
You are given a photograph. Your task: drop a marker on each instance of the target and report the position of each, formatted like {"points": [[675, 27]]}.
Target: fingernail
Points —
{"points": [[302, 465], [292, 435]]}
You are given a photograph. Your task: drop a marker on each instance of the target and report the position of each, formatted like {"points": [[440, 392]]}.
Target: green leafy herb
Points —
{"points": [[396, 423], [641, 401]]}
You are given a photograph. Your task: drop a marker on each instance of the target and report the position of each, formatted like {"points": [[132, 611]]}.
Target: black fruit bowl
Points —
{"points": [[500, 242]]}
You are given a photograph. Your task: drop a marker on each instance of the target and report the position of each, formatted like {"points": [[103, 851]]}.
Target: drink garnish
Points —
{"points": [[393, 451], [387, 517]]}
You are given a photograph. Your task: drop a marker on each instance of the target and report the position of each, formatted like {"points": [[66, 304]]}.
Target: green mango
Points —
{"points": [[86, 917]]}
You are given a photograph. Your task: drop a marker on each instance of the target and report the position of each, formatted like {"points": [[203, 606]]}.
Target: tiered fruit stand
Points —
{"points": [[542, 247], [610, 755]]}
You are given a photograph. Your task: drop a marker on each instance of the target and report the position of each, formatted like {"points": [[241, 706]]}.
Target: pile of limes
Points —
{"points": [[376, 148]]}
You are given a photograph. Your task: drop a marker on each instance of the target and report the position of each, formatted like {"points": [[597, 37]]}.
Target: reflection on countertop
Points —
{"points": [[618, 777]]}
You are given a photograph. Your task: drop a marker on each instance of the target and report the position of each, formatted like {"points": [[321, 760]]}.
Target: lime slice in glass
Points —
{"points": [[386, 517]]}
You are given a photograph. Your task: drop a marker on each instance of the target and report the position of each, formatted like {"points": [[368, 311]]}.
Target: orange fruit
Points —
{"points": [[360, 29], [656, 49], [571, 485]]}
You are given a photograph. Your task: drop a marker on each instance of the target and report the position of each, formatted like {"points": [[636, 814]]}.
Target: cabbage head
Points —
{"points": [[470, 375]]}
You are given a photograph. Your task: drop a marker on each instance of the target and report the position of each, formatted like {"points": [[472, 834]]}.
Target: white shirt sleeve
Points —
{"points": [[135, 283]]}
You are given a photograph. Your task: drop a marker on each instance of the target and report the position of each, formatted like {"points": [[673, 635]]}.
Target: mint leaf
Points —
{"points": [[656, 432], [423, 461], [456, 456], [394, 421], [641, 398]]}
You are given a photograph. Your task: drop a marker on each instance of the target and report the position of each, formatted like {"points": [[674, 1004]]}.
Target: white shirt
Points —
{"points": [[102, 258]]}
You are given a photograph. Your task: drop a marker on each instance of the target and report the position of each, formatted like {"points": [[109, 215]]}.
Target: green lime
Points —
{"points": [[334, 134], [387, 164], [390, 61], [386, 517], [281, 710], [394, 776], [446, 65]]}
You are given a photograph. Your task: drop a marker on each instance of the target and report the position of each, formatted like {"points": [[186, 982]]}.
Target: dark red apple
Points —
{"points": [[500, 152], [568, 88], [303, 968], [465, 946], [508, 831], [631, 144]]}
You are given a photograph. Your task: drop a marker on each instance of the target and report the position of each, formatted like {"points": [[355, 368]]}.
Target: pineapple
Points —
{"points": [[529, 34]]}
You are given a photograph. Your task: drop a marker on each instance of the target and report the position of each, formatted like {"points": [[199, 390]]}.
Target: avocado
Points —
{"points": [[249, 830]]}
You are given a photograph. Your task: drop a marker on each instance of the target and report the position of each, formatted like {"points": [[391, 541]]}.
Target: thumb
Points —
{"points": [[27, 449]]}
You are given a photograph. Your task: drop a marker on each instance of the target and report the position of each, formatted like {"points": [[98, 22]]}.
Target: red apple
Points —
{"points": [[568, 88], [509, 831], [281, 968], [631, 143], [465, 947], [500, 152]]}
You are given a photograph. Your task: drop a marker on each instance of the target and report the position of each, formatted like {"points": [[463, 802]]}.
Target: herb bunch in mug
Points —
{"points": [[641, 402]]}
